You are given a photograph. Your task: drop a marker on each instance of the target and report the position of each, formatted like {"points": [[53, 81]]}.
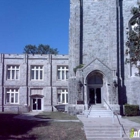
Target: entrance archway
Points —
{"points": [[94, 85]]}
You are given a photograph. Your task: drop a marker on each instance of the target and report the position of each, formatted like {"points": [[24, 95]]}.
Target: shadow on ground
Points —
{"points": [[11, 128]]}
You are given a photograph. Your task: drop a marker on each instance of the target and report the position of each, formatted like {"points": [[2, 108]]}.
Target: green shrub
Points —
{"points": [[131, 110], [78, 67]]}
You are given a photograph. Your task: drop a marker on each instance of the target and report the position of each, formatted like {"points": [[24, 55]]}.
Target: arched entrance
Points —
{"points": [[94, 85]]}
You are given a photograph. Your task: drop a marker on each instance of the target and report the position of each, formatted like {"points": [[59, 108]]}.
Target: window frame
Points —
{"points": [[10, 72], [64, 72], [36, 71], [10, 92], [63, 92]]}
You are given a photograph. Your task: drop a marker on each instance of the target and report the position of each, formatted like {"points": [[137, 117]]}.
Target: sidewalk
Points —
{"points": [[107, 121], [30, 116], [106, 129]]}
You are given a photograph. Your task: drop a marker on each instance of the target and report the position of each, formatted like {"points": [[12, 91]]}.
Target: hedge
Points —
{"points": [[131, 110]]}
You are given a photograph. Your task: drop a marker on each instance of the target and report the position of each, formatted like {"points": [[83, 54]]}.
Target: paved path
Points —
{"points": [[30, 116], [106, 121], [105, 128]]}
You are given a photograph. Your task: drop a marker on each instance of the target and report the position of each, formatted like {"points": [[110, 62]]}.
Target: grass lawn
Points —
{"points": [[134, 118], [11, 128], [56, 115], [60, 131]]}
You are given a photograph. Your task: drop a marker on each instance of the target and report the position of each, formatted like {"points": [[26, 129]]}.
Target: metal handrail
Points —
{"points": [[88, 103], [117, 118], [89, 108]]}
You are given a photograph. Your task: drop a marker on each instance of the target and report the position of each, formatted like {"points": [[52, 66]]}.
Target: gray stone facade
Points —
{"points": [[98, 30], [48, 85], [97, 37]]}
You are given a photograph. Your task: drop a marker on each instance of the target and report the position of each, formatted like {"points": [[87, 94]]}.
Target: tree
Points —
{"points": [[133, 42], [30, 49], [45, 49], [41, 49]]}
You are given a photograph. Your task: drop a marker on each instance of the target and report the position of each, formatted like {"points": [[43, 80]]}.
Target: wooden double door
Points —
{"points": [[95, 95]]}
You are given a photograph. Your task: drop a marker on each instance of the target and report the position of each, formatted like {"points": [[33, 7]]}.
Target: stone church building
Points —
{"points": [[97, 42], [94, 72]]}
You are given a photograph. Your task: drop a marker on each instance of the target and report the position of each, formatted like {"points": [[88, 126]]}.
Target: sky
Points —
{"points": [[34, 22]]}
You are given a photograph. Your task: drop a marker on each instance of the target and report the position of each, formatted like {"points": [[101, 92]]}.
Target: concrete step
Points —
{"points": [[105, 129], [98, 113], [106, 132], [106, 136], [100, 133], [99, 116], [95, 108], [101, 110], [110, 135], [101, 128], [91, 138], [98, 107]]}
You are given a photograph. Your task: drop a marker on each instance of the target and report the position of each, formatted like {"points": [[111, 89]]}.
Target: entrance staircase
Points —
{"points": [[103, 133], [96, 111], [104, 129], [99, 125]]}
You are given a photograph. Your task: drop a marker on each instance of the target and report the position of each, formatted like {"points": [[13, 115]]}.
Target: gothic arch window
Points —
{"points": [[95, 78]]}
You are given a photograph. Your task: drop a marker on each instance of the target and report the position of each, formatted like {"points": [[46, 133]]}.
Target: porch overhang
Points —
{"points": [[36, 96]]}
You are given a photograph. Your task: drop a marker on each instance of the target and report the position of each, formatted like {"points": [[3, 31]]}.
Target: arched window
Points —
{"points": [[95, 79]]}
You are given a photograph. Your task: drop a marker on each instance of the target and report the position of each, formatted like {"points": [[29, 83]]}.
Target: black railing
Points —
{"points": [[114, 113], [89, 107]]}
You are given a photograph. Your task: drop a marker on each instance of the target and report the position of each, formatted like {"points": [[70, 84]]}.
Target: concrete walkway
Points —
{"points": [[106, 121], [106, 129], [31, 116]]}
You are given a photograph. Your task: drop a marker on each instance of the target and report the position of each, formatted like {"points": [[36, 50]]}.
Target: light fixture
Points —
{"points": [[115, 83], [80, 83]]}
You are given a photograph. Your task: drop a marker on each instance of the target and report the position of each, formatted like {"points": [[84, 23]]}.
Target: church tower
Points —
{"points": [[96, 52]]}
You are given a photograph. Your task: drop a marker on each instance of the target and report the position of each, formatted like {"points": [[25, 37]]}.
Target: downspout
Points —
{"points": [[120, 56], [118, 47], [3, 82], [123, 98], [81, 43], [27, 82], [81, 33], [51, 81]]}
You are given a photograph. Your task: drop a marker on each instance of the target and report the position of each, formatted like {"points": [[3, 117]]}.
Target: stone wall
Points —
{"points": [[25, 102], [99, 43], [73, 90], [74, 35], [99, 32], [105, 24]]}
